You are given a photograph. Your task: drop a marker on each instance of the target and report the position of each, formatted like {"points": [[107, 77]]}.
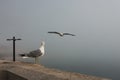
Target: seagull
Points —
{"points": [[36, 53], [60, 33]]}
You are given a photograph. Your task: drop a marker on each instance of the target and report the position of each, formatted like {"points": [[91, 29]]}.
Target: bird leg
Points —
{"points": [[36, 60]]}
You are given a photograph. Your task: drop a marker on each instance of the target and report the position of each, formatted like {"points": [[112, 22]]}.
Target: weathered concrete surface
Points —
{"points": [[28, 71]]}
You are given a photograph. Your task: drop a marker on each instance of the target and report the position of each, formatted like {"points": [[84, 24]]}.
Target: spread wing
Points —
{"points": [[54, 32], [68, 34]]}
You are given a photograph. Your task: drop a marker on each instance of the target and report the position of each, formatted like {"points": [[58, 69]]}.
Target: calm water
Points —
{"points": [[97, 69]]}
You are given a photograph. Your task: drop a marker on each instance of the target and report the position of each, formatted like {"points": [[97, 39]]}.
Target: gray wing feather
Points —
{"points": [[35, 53], [68, 34], [54, 32]]}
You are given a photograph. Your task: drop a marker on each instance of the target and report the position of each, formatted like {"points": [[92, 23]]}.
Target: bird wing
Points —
{"points": [[34, 53], [68, 34], [54, 32]]}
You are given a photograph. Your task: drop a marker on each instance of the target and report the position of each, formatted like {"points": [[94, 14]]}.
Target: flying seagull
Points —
{"points": [[60, 34], [36, 53]]}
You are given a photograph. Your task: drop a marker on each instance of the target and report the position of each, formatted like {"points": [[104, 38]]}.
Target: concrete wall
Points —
{"points": [[3, 75], [6, 75]]}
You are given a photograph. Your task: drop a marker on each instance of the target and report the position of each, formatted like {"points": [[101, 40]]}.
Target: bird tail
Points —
{"points": [[23, 55]]}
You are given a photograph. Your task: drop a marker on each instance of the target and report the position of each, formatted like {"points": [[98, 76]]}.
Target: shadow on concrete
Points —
{"points": [[6, 75]]}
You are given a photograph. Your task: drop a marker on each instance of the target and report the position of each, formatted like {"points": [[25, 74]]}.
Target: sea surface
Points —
{"points": [[111, 71]]}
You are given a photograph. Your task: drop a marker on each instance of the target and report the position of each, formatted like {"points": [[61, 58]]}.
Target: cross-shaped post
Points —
{"points": [[13, 46]]}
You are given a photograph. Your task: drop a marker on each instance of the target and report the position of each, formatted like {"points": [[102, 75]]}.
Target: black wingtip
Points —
{"points": [[22, 55], [49, 32], [73, 35]]}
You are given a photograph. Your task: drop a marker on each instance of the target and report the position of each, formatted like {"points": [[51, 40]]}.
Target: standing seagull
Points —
{"points": [[60, 34], [36, 53]]}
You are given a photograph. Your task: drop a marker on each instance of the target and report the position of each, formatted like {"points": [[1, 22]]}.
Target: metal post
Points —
{"points": [[13, 46]]}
